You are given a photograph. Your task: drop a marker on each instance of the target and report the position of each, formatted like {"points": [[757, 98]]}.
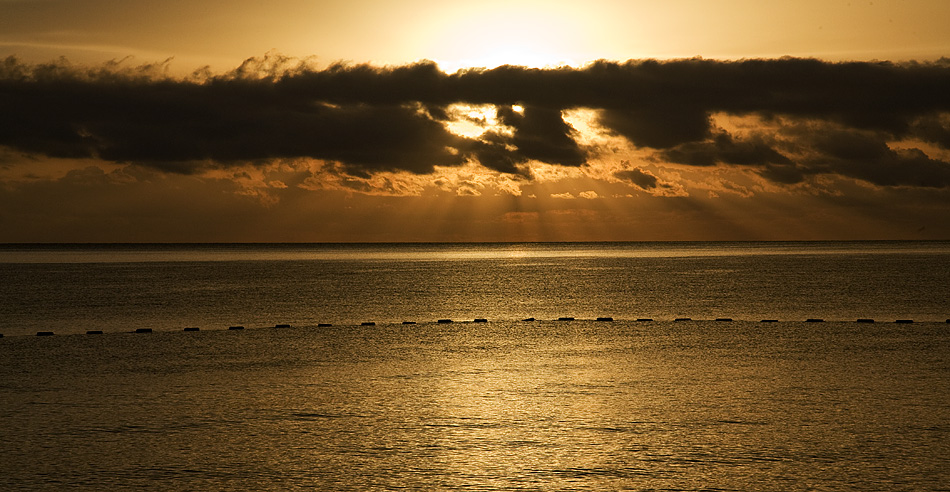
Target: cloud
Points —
{"points": [[658, 127], [394, 119], [873, 161], [638, 177], [832, 149], [542, 135], [934, 129], [590, 194], [724, 148]]}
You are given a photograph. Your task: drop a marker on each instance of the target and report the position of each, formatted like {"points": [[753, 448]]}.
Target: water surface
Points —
{"points": [[71, 289], [501, 405], [546, 405]]}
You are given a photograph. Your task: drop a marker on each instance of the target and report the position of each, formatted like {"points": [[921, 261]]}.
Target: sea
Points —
{"points": [[502, 366]]}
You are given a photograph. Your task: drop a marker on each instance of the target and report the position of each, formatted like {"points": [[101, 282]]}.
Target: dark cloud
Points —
{"points": [[659, 128], [541, 134], [900, 168], [848, 145], [828, 148], [933, 129], [391, 118], [723, 148], [866, 156], [172, 124], [784, 174], [493, 153], [638, 177]]}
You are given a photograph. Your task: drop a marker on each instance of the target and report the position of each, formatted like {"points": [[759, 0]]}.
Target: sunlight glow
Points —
{"points": [[473, 121], [503, 33]]}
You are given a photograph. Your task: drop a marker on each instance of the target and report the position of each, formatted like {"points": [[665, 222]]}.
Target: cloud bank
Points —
{"points": [[814, 117]]}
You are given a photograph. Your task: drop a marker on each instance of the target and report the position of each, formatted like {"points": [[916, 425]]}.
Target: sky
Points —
{"points": [[369, 121]]}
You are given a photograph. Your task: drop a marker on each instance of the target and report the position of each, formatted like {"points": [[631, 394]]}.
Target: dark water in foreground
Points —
{"points": [[548, 405], [507, 404]]}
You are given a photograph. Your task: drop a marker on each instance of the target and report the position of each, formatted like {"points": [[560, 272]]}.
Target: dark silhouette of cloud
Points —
{"points": [[905, 168], [866, 156], [660, 128], [783, 174], [723, 148], [860, 154], [373, 119], [638, 177], [933, 129], [541, 134]]}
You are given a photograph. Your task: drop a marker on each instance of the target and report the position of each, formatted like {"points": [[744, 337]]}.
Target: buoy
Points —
{"points": [[324, 325], [644, 319], [904, 321], [683, 319], [723, 319], [445, 321], [605, 318], [368, 323], [44, 333], [408, 322], [282, 326], [769, 321], [480, 320], [93, 332], [814, 320], [235, 328], [566, 318], [864, 320], [532, 319], [191, 328]]}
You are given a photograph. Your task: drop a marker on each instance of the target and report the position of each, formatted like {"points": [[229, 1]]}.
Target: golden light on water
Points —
{"points": [[520, 408]]}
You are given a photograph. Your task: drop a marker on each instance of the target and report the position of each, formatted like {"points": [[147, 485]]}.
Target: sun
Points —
{"points": [[506, 34]]}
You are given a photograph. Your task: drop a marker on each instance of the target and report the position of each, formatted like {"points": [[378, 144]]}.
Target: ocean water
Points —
{"points": [[502, 405], [72, 289]]}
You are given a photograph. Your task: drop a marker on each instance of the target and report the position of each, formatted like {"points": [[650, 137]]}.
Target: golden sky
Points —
{"points": [[388, 121], [464, 33]]}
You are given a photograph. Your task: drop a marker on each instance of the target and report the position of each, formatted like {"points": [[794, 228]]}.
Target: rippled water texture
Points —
{"points": [[546, 405], [122, 288], [499, 405]]}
